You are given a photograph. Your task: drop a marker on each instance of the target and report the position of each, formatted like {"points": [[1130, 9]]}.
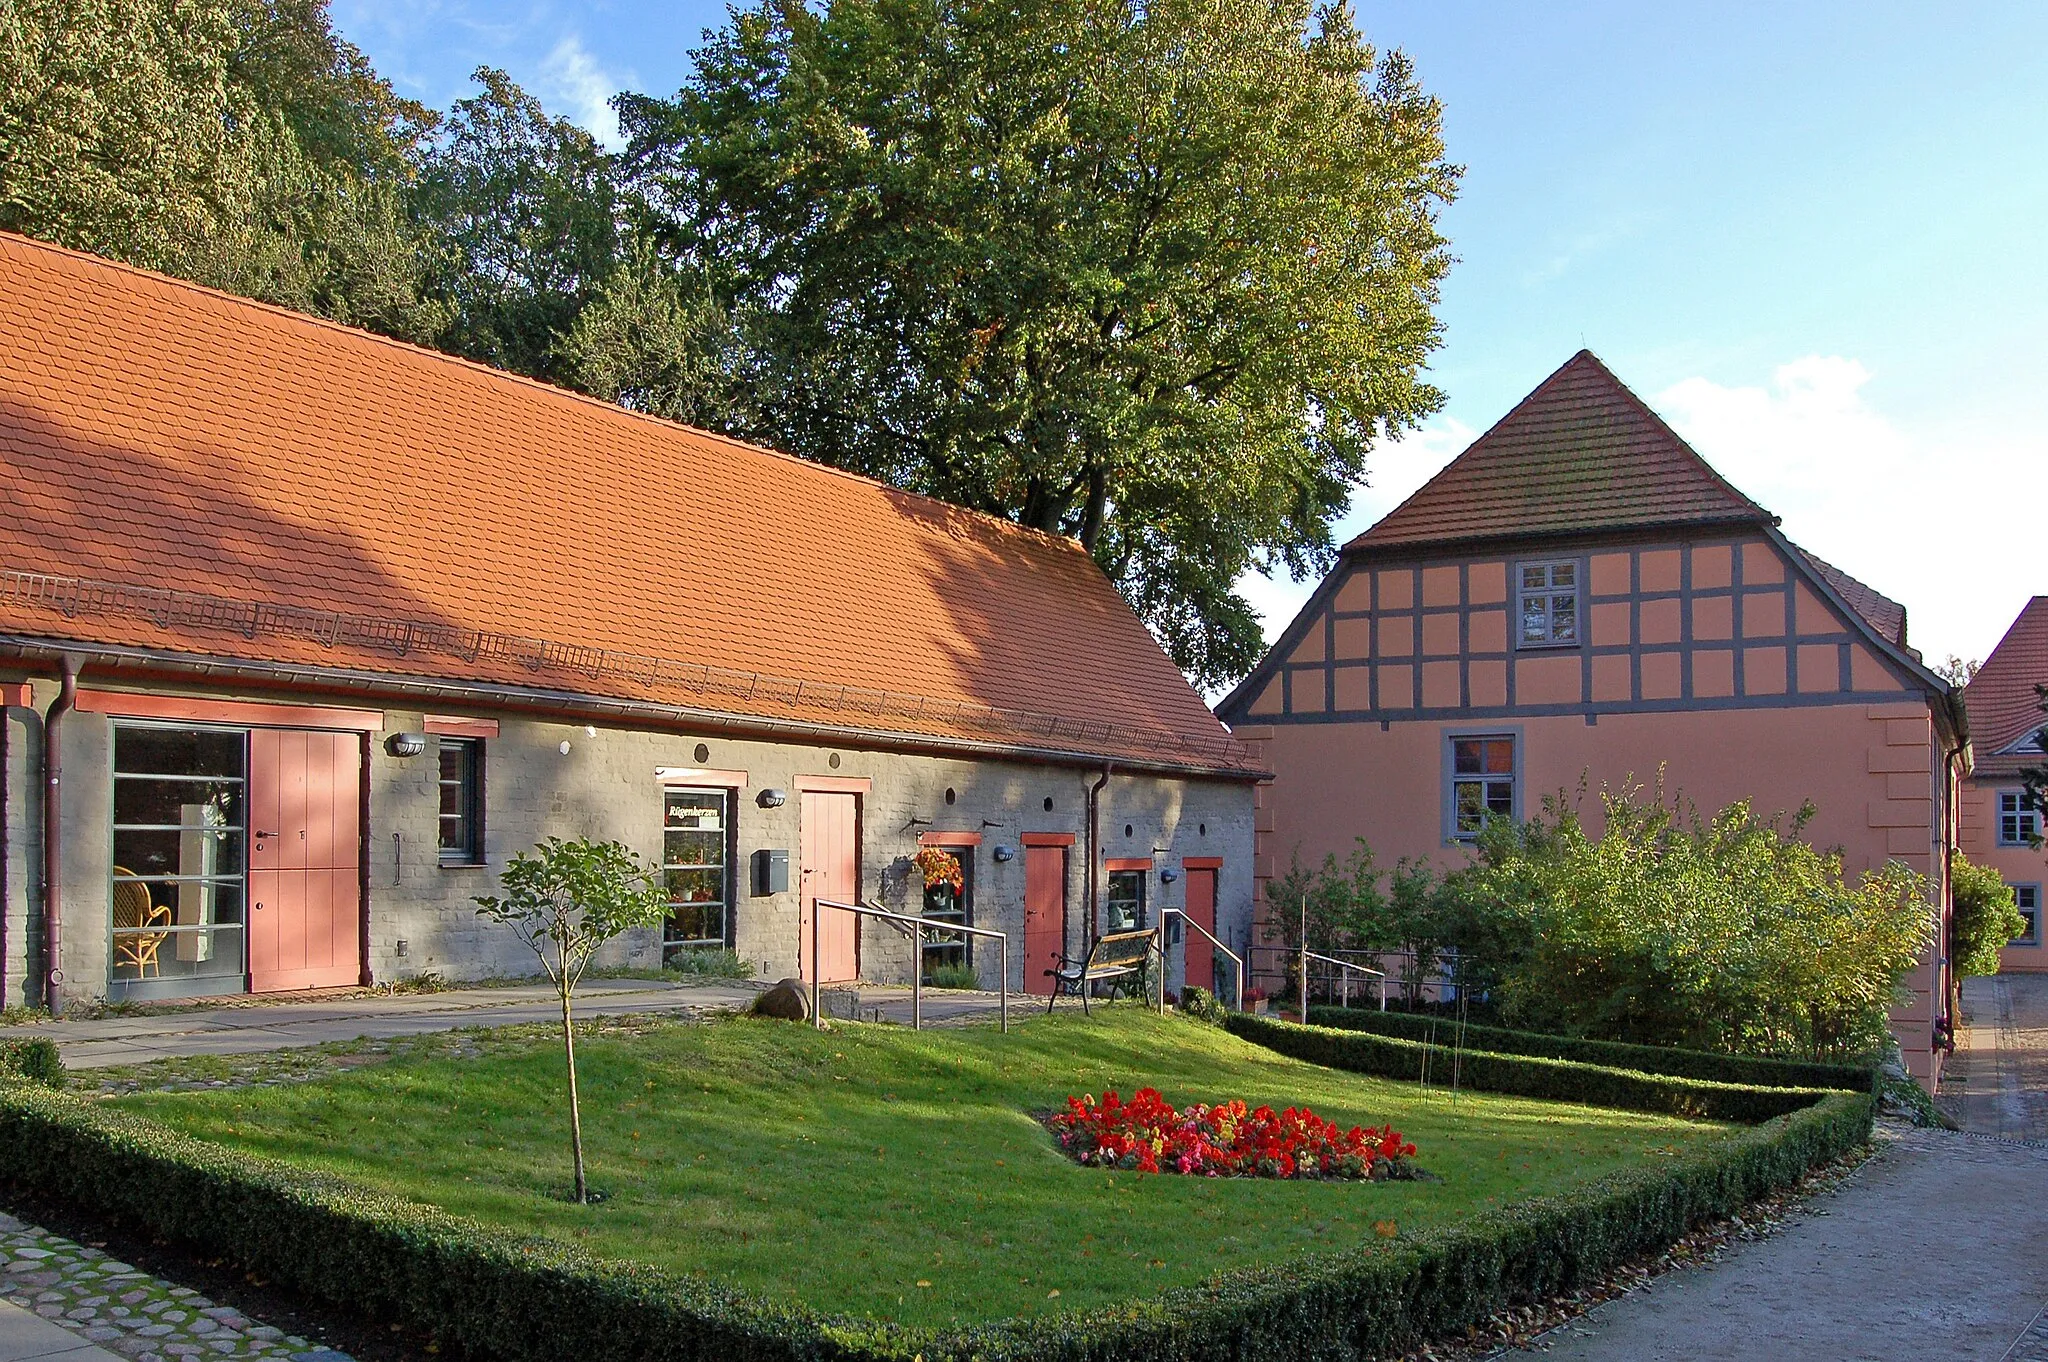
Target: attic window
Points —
{"points": [[1550, 604]]}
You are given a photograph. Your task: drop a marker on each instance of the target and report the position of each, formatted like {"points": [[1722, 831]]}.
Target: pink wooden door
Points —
{"points": [[831, 870], [305, 859], [1200, 968], [1045, 914]]}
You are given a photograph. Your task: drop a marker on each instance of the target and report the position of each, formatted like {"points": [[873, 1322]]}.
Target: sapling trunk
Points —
{"points": [[575, 1108]]}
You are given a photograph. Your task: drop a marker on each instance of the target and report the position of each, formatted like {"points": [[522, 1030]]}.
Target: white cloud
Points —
{"points": [[1948, 524], [572, 80]]}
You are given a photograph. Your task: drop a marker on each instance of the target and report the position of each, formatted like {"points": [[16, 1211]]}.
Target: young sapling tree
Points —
{"points": [[565, 900]]}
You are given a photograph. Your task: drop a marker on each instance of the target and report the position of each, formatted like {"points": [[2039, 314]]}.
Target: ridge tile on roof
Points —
{"points": [[1580, 454]]}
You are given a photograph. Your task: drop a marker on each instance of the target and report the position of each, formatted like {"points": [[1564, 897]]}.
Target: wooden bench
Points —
{"points": [[1117, 958]]}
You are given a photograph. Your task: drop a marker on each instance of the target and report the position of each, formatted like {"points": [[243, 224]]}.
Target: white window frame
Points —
{"points": [[2013, 812], [1549, 591]]}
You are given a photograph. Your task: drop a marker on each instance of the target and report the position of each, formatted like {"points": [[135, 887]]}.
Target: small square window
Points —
{"points": [[2019, 823], [2027, 898], [1123, 910], [1549, 604], [1482, 783], [462, 801]]}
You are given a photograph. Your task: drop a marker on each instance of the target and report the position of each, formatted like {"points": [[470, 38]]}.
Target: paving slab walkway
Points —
{"points": [[245, 1028], [2001, 1060], [1934, 1248]]}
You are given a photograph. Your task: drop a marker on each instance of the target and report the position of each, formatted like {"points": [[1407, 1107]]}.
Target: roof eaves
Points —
{"points": [[1465, 544], [404, 688]]}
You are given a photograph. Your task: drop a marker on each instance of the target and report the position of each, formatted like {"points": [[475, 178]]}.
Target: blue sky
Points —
{"points": [[1813, 236]]}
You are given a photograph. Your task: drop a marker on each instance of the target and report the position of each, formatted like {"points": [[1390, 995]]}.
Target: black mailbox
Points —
{"points": [[771, 872]]}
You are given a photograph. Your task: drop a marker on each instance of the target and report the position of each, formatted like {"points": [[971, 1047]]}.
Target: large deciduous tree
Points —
{"points": [[1154, 273]]}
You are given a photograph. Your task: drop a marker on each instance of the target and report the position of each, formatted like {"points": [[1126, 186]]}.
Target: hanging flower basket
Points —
{"points": [[938, 867]]}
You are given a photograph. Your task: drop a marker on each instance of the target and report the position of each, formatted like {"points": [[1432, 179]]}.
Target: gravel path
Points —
{"points": [[128, 1312]]}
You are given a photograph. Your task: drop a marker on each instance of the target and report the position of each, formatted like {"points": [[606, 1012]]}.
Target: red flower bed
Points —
{"points": [[1224, 1141]]}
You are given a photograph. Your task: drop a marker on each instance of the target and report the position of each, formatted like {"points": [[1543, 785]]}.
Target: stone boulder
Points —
{"points": [[789, 1000]]}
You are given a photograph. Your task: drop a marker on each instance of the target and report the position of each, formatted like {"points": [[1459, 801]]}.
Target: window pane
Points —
{"points": [[1124, 910], [1563, 574], [1465, 755], [1500, 756], [1532, 579], [696, 875], [1564, 618], [1500, 798], [164, 802], [1470, 799], [178, 752], [1535, 620]]}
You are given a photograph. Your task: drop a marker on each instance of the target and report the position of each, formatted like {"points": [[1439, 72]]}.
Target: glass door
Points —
{"points": [[696, 868], [179, 888]]}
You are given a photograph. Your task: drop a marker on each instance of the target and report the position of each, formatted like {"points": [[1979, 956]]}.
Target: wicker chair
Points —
{"points": [[135, 948]]}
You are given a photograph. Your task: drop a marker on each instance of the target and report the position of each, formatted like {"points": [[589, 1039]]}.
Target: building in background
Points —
{"points": [[310, 631], [1579, 595], [2000, 829]]}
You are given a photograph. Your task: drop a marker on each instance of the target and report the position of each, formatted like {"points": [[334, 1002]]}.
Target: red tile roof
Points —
{"points": [[172, 458], [1880, 611], [1580, 454], [2003, 706]]}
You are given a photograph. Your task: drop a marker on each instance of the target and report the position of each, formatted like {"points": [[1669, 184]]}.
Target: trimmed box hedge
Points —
{"points": [[497, 1295], [1755, 1070], [1522, 1075]]}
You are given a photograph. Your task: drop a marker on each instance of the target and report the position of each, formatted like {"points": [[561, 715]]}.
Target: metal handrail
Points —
{"points": [[1344, 980], [917, 926], [1235, 959]]}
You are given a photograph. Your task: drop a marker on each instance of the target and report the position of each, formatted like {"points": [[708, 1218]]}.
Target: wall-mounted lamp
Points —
{"points": [[1004, 854], [1168, 876], [772, 799], [406, 744], [565, 747]]}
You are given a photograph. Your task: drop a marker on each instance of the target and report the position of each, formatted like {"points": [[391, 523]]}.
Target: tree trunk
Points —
{"points": [[575, 1110]]}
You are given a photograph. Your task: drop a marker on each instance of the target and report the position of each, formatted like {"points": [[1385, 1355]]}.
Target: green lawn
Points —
{"points": [[900, 1174]]}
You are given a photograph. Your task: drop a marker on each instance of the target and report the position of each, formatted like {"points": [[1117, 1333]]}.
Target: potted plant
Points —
{"points": [[1255, 1000]]}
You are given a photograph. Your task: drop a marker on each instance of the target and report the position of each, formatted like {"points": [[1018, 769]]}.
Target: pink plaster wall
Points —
{"points": [[2017, 865], [1871, 770]]}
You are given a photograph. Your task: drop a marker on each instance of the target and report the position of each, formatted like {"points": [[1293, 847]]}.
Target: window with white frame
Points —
{"points": [[2019, 823], [1123, 907], [1482, 782], [1549, 595], [2027, 898]]}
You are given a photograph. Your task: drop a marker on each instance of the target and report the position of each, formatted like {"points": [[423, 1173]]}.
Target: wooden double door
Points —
{"points": [[305, 796]]}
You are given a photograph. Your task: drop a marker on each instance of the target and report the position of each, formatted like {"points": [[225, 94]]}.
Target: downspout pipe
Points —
{"points": [[53, 835], [1088, 894]]}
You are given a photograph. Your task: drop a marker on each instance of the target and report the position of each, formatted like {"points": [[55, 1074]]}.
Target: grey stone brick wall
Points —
{"points": [[422, 919]]}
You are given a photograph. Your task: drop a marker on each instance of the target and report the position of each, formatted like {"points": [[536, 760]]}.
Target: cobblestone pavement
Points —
{"points": [[1931, 1249], [128, 1312], [2004, 1057]]}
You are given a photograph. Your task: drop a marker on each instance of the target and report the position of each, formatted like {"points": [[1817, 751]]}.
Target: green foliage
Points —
{"points": [[1202, 1005], [1985, 917], [571, 898], [2034, 779], [952, 976], [1157, 276], [33, 1058], [1522, 1075], [234, 142], [1656, 1059], [484, 1292], [1441, 925], [709, 964], [1727, 933]]}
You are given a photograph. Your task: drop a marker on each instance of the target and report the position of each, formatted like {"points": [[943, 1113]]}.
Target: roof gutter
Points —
{"points": [[563, 704], [69, 666]]}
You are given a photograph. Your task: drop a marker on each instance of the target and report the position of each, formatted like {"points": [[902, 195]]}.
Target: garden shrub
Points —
{"points": [[1656, 1059], [34, 1058], [709, 963], [1202, 1005], [1986, 917], [952, 976], [1522, 1075], [490, 1293]]}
